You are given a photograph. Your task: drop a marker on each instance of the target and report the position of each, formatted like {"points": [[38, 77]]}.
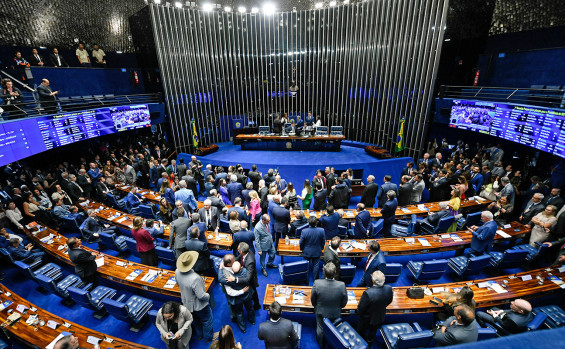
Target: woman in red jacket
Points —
{"points": [[145, 243]]}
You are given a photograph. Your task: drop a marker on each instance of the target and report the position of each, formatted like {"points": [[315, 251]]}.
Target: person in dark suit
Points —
{"points": [[57, 60], [483, 236], [234, 188], [216, 200], [388, 212], [328, 297], [247, 259], [241, 214], [362, 228], [384, 188], [200, 225], [554, 198], [178, 206], [312, 242], [245, 194], [533, 207], [281, 215], [278, 333], [35, 59], [210, 215], [340, 195], [405, 191], [330, 177], [375, 261], [19, 252], [331, 256], [191, 182], [459, 328], [203, 265], [133, 198], [179, 229], [243, 235], [263, 196], [209, 185], [439, 188], [277, 125], [513, 320], [330, 223], [372, 306], [85, 264], [433, 217], [92, 227], [408, 169], [370, 192], [47, 97], [255, 177], [299, 221], [320, 197], [477, 178]]}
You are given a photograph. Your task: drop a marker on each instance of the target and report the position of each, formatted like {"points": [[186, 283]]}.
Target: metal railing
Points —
{"points": [[550, 97]]}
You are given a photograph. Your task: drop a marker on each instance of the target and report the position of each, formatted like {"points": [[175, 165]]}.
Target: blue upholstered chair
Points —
{"points": [[115, 202], [533, 325], [133, 311], [555, 315], [533, 252], [92, 299], [342, 231], [428, 270], [153, 316], [166, 255], [225, 226], [32, 263], [509, 259], [294, 272], [347, 273], [340, 334], [145, 211], [486, 333], [377, 227], [300, 229], [440, 228], [392, 272], [132, 246], [59, 288], [403, 336], [402, 230], [50, 270], [116, 243], [471, 219], [130, 209], [298, 329], [471, 266]]}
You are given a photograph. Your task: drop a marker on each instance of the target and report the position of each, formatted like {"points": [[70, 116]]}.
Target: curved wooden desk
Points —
{"points": [[41, 336], [401, 304], [125, 222], [114, 269], [399, 246]]}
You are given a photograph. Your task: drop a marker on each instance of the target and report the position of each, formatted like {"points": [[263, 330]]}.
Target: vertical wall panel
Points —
{"points": [[364, 66]]}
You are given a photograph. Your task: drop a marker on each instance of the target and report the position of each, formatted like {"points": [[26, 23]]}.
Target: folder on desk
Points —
{"points": [[503, 234], [424, 242]]}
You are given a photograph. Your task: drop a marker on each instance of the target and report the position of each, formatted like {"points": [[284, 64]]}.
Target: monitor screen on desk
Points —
{"points": [[322, 130], [264, 129], [337, 130]]}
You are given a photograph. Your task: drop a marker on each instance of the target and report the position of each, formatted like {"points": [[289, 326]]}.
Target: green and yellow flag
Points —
{"points": [[400, 138], [195, 139]]}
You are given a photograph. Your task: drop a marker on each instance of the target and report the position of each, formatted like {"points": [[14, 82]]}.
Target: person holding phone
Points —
{"points": [[173, 322]]}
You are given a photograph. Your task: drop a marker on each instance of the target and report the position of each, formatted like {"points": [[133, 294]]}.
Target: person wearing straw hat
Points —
{"points": [[194, 296]]}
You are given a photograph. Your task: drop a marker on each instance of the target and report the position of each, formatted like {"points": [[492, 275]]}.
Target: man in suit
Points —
{"points": [[129, 173], [247, 259], [299, 221], [370, 192], [477, 178], [92, 227], [433, 217], [245, 194], [234, 188], [372, 306], [439, 189], [483, 236], [388, 212], [196, 166], [408, 169], [85, 183], [328, 297], [102, 189], [418, 186], [133, 198], [508, 190], [209, 185], [533, 207], [264, 243], [155, 173], [281, 215], [194, 296], [405, 191], [312, 242], [375, 261], [200, 225], [26, 254], [459, 328], [282, 185], [241, 214], [209, 215], [216, 200], [203, 265], [173, 169], [255, 177], [57, 60], [331, 256], [278, 333], [330, 177], [513, 320], [263, 196], [191, 183], [182, 168], [35, 59], [47, 97], [554, 198], [179, 229], [185, 210], [320, 196], [340, 195], [186, 196], [319, 178], [75, 190], [387, 185], [243, 235], [330, 223], [362, 227], [85, 264]]}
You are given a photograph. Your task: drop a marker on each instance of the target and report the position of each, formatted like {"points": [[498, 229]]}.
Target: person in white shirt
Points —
{"points": [[99, 57]]}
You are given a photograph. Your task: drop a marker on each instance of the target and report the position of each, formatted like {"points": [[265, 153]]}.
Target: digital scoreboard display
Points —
{"points": [[537, 127], [25, 137]]}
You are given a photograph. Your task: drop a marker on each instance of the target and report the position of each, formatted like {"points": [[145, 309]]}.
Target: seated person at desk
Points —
{"points": [[459, 328], [330, 223], [5, 238], [65, 211], [156, 230], [299, 221], [513, 320], [277, 332], [299, 123], [25, 254], [433, 218], [92, 226], [133, 198]]}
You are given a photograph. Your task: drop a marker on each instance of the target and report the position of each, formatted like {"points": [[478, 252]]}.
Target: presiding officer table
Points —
{"points": [[294, 143]]}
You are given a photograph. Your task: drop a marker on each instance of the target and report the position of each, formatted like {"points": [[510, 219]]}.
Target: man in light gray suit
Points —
{"points": [[278, 333], [179, 229], [209, 215], [328, 298], [418, 186], [193, 295], [507, 190], [264, 243], [457, 329], [129, 173]]}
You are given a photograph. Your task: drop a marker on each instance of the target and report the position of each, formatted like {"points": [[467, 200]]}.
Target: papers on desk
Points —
{"points": [[349, 214], [150, 276], [438, 289], [298, 298], [409, 240], [346, 247], [405, 210], [224, 236], [351, 298], [47, 238], [134, 274], [93, 340], [498, 288], [5, 305], [503, 234], [52, 324], [424, 242], [99, 262], [124, 218], [359, 245], [526, 277], [561, 270], [485, 284], [507, 226], [445, 236], [281, 300], [555, 280], [456, 238], [171, 282], [422, 207], [121, 264]]}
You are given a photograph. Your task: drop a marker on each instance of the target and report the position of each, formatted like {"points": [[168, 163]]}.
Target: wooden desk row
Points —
{"points": [[350, 214], [400, 246], [114, 268], [514, 285], [41, 336], [242, 137], [125, 221]]}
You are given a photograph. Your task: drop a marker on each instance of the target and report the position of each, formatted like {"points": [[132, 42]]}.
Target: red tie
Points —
{"points": [[369, 259]]}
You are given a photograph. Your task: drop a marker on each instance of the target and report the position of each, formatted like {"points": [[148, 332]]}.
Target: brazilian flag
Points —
{"points": [[400, 138], [195, 139]]}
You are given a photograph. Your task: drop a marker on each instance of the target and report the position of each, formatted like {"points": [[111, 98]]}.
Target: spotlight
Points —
{"points": [[254, 10], [207, 7], [333, 3], [178, 4], [345, 2], [157, 2], [319, 5], [241, 9], [268, 9], [227, 9]]}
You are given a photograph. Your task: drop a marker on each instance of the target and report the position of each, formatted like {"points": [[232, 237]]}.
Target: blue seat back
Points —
{"points": [[392, 272], [513, 259], [119, 310], [81, 296], [25, 268], [293, 272], [347, 273], [486, 333], [107, 240], [444, 224], [420, 339], [472, 219], [342, 231], [225, 226], [341, 335], [555, 315], [377, 227], [132, 246], [145, 211], [166, 255], [7, 254], [433, 269], [47, 283], [537, 321], [476, 264], [299, 230]]}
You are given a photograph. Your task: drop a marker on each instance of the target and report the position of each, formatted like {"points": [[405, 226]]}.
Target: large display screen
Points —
{"points": [[537, 127], [22, 138]]}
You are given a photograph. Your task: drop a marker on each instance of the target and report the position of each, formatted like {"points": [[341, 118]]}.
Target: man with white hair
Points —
{"points": [[370, 192], [282, 185], [433, 218], [372, 306], [513, 320], [186, 196], [209, 215], [196, 167], [483, 236], [508, 190], [235, 189]]}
